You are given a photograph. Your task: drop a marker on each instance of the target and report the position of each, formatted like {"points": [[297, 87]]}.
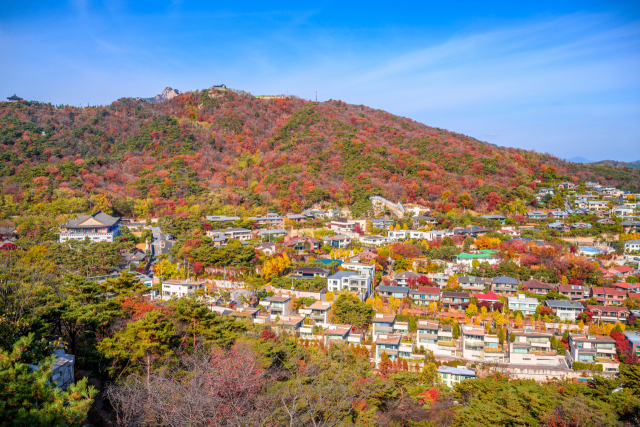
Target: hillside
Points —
{"points": [[221, 147], [617, 164]]}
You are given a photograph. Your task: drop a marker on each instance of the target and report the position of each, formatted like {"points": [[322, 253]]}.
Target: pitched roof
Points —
{"points": [[426, 290], [455, 294], [607, 291], [505, 279], [388, 339], [382, 317], [607, 308], [537, 284], [98, 219], [384, 288], [564, 304]]}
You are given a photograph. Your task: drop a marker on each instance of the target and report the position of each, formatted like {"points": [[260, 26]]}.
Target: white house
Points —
{"points": [[98, 227], [181, 288], [359, 283]]}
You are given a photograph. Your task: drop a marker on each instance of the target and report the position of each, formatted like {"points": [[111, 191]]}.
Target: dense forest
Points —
{"points": [[222, 147]]}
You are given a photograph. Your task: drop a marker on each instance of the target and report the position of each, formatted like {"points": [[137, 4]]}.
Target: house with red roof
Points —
{"points": [[608, 296], [627, 287], [609, 314], [491, 298], [622, 271], [573, 292]]}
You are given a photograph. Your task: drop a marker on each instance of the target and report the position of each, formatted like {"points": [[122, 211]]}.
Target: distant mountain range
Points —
{"points": [[579, 160], [615, 163]]}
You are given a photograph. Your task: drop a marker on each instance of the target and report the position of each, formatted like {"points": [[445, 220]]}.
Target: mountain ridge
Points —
{"points": [[221, 147]]}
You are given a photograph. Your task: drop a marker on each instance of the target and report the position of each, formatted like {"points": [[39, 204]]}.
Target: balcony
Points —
{"points": [[383, 329], [544, 353], [473, 343], [451, 343], [493, 350], [318, 318], [389, 351]]}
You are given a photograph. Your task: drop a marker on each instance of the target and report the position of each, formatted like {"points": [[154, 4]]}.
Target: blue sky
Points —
{"points": [[559, 78]]}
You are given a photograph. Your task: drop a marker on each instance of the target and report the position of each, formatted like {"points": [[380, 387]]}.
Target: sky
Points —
{"points": [[556, 77]]}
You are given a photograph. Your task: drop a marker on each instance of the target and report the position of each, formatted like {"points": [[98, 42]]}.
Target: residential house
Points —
{"points": [[246, 313], [383, 324], [559, 226], [622, 271], [359, 283], [337, 241], [630, 288], [532, 348], [373, 240], [597, 205], [279, 305], [455, 300], [402, 279], [632, 245], [537, 287], [472, 342], [609, 314], [424, 295], [268, 248], [451, 376], [318, 312], [302, 243], [597, 349], [473, 284], [310, 273], [181, 288], [272, 233], [62, 371], [634, 339], [427, 334], [573, 292], [430, 335], [381, 223], [423, 221], [608, 296], [343, 225], [270, 220], [387, 343], [217, 239], [221, 219], [631, 226], [393, 291], [505, 285], [361, 268], [565, 310], [241, 234], [537, 215], [290, 324], [509, 231], [98, 227], [339, 334], [521, 302], [499, 218], [484, 255], [295, 217], [488, 297], [566, 186]]}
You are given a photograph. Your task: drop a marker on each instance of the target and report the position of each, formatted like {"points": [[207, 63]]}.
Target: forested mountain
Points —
{"points": [[220, 147]]}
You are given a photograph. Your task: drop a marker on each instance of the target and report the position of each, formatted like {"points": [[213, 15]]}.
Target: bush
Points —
{"points": [[580, 366]]}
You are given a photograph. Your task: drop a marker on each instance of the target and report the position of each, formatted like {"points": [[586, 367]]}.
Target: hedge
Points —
{"points": [[579, 366]]}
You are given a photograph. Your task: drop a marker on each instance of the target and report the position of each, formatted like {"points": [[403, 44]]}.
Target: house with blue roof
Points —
{"points": [[451, 376]]}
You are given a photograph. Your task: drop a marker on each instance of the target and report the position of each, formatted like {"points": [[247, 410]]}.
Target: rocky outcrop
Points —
{"points": [[166, 94]]}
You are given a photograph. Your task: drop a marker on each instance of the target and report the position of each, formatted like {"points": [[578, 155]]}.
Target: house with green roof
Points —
{"points": [[467, 258]]}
